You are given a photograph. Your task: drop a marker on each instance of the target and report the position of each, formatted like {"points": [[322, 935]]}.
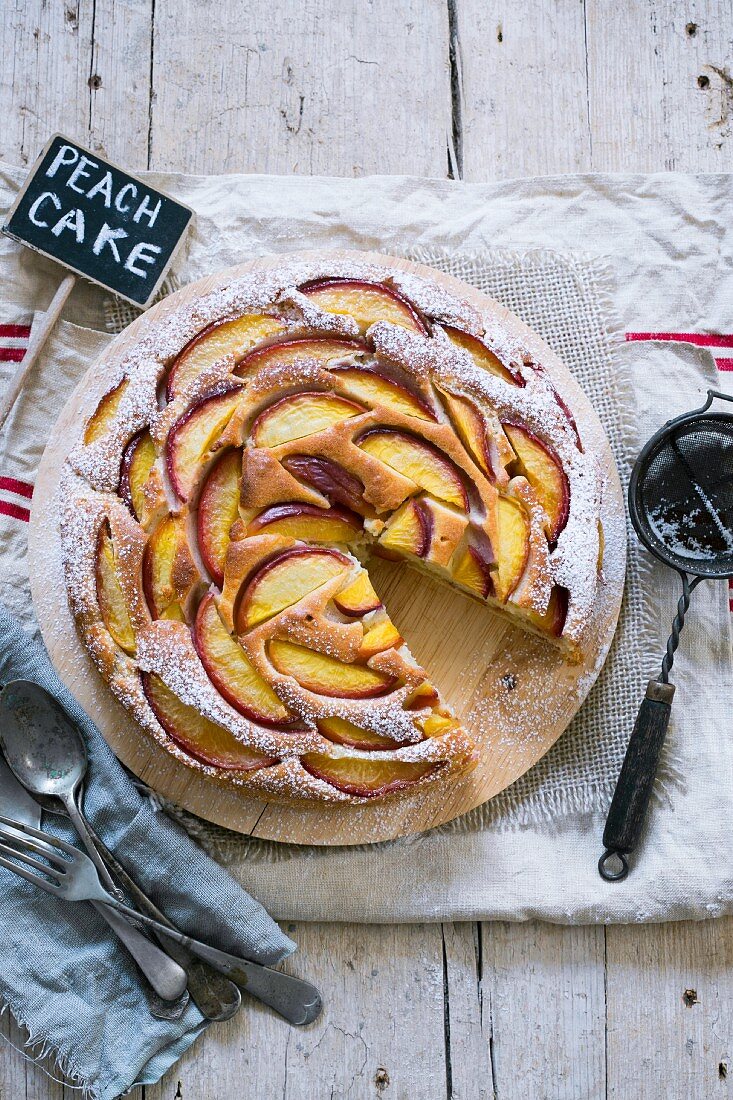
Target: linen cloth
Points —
{"points": [[668, 246], [64, 975]]}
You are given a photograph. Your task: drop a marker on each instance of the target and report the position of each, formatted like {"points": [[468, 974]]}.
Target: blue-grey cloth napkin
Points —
{"points": [[63, 975]]}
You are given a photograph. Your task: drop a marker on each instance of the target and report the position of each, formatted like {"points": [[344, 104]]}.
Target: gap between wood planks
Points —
{"points": [[455, 137], [151, 93]]}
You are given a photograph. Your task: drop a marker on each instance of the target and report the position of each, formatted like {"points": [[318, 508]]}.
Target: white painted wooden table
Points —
{"points": [[478, 89]]}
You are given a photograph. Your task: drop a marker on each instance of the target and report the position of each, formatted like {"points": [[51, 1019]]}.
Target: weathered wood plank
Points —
{"points": [[523, 77], [43, 78], [20, 1076], [660, 85], [468, 1036], [670, 1010], [381, 1032], [342, 89], [544, 1010], [81, 67], [119, 81], [602, 85]]}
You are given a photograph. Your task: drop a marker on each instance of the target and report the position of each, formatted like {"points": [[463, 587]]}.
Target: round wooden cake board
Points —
{"points": [[514, 691]]}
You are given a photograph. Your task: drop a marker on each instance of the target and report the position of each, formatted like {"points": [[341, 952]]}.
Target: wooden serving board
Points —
{"points": [[514, 691]]}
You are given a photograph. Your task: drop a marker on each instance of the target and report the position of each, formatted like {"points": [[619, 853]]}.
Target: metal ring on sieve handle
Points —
{"points": [[706, 486]]}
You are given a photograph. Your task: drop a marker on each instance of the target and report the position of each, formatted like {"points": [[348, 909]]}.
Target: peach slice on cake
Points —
{"points": [[376, 390], [426, 528], [512, 550], [111, 599], [419, 461], [553, 620], [541, 466], [322, 349], [569, 417], [307, 522], [221, 339], [423, 696], [331, 479], [409, 531], [359, 598], [137, 462], [378, 638], [326, 675], [231, 673], [194, 436], [168, 569], [343, 732], [483, 356], [299, 415], [366, 302], [218, 509], [447, 528], [105, 412], [561, 404], [365, 778], [284, 580], [435, 725], [489, 449], [196, 734], [473, 572]]}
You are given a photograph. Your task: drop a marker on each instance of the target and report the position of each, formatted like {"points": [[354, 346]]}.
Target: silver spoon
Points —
{"points": [[47, 755], [216, 997]]}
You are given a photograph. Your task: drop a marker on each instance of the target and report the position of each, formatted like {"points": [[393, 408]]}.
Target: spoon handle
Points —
{"points": [[215, 996], [164, 974], [298, 1001], [80, 824]]}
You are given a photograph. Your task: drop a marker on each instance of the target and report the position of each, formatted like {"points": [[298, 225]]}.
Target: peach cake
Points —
{"points": [[249, 453]]}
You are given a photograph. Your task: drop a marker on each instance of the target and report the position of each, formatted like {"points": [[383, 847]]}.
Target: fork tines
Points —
{"points": [[20, 826], [20, 840]]}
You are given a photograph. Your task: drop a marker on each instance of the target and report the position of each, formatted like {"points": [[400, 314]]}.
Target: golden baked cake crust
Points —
{"points": [[253, 449]]}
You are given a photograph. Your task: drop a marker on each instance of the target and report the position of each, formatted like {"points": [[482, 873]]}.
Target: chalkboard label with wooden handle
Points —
{"points": [[97, 220]]}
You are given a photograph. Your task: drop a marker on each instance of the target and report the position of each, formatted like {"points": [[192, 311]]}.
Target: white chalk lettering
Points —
{"points": [[144, 210], [80, 172], [72, 220], [108, 235], [33, 212], [120, 204], [143, 253], [67, 154], [104, 187]]}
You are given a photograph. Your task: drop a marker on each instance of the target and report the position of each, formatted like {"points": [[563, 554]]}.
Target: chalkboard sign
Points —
{"points": [[97, 220]]}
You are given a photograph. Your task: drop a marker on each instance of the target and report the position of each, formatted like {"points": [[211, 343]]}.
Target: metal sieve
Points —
{"points": [[681, 506]]}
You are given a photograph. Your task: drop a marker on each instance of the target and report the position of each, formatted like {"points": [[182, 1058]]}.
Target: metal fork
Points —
{"points": [[71, 875]]}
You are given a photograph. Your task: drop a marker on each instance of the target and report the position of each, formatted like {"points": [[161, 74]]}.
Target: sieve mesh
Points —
{"points": [[682, 496]]}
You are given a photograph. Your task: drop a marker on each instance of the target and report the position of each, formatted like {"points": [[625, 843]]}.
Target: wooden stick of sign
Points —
{"points": [[97, 221], [38, 339]]}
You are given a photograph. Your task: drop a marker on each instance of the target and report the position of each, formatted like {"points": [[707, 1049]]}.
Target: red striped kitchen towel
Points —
{"points": [[720, 346], [14, 493]]}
